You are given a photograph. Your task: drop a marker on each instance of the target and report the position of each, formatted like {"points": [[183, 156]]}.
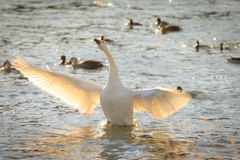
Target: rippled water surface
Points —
{"points": [[34, 124]]}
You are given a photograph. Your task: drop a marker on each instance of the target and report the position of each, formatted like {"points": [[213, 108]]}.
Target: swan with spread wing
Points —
{"points": [[117, 102]]}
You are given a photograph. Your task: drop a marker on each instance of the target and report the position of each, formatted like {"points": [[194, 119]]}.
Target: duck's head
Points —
{"points": [[197, 43], [73, 60], [101, 44], [101, 37], [158, 20], [179, 88], [221, 46], [6, 64], [130, 21], [63, 58]]}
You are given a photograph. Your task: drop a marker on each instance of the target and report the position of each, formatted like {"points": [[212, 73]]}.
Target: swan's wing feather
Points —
{"points": [[159, 102], [75, 92]]}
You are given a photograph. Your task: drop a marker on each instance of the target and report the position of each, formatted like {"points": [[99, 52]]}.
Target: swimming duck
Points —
{"points": [[86, 64], [7, 68], [106, 40], [158, 22], [197, 45], [163, 29], [223, 47], [117, 102], [234, 59], [131, 23]]}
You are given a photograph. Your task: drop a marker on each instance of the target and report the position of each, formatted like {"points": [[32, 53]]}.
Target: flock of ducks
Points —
{"points": [[117, 102]]}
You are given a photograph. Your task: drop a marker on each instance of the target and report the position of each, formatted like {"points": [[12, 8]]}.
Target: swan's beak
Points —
{"points": [[98, 41]]}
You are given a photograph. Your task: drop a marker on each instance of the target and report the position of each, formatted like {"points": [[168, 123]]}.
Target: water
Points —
{"points": [[36, 125]]}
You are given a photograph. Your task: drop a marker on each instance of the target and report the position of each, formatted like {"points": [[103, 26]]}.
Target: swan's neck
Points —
{"points": [[113, 77]]}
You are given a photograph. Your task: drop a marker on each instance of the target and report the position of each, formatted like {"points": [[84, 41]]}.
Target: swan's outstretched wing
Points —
{"points": [[75, 92], [160, 102]]}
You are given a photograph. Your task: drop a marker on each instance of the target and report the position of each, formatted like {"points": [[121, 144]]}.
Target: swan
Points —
{"points": [[117, 102], [223, 47], [86, 64], [7, 68]]}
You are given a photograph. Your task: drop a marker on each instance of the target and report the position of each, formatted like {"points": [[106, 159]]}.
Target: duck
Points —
{"points": [[159, 22], [130, 23], [223, 47], [106, 40], [117, 101], [163, 29], [234, 59], [198, 45], [63, 60], [86, 64], [6, 67]]}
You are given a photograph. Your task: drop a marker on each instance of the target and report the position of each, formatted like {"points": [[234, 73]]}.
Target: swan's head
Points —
{"points": [[101, 44], [73, 60], [6, 64]]}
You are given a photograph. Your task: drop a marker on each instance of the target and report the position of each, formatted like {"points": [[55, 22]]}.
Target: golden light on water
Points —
{"points": [[214, 38], [170, 1], [128, 6], [110, 3], [95, 2]]}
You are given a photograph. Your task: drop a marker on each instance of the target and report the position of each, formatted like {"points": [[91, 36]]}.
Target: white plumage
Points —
{"points": [[117, 102]]}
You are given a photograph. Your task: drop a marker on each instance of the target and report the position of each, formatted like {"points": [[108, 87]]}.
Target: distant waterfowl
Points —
{"points": [[198, 45], [234, 59], [106, 40], [7, 68], [163, 29], [223, 47], [117, 102], [131, 23], [159, 22], [86, 64]]}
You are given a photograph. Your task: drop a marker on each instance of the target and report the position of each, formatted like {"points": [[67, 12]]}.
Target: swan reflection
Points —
{"points": [[108, 142]]}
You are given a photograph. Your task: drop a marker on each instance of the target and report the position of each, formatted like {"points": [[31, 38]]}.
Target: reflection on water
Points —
{"points": [[110, 142]]}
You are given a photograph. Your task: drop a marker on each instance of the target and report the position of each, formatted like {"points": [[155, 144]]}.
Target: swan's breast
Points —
{"points": [[117, 105]]}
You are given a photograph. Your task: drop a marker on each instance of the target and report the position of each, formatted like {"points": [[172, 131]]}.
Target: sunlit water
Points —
{"points": [[34, 124]]}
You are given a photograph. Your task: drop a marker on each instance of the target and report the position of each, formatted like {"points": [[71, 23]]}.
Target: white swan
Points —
{"points": [[117, 102]]}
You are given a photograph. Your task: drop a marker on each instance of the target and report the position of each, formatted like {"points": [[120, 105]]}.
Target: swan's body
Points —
{"points": [[117, 102], [86, 64]]}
